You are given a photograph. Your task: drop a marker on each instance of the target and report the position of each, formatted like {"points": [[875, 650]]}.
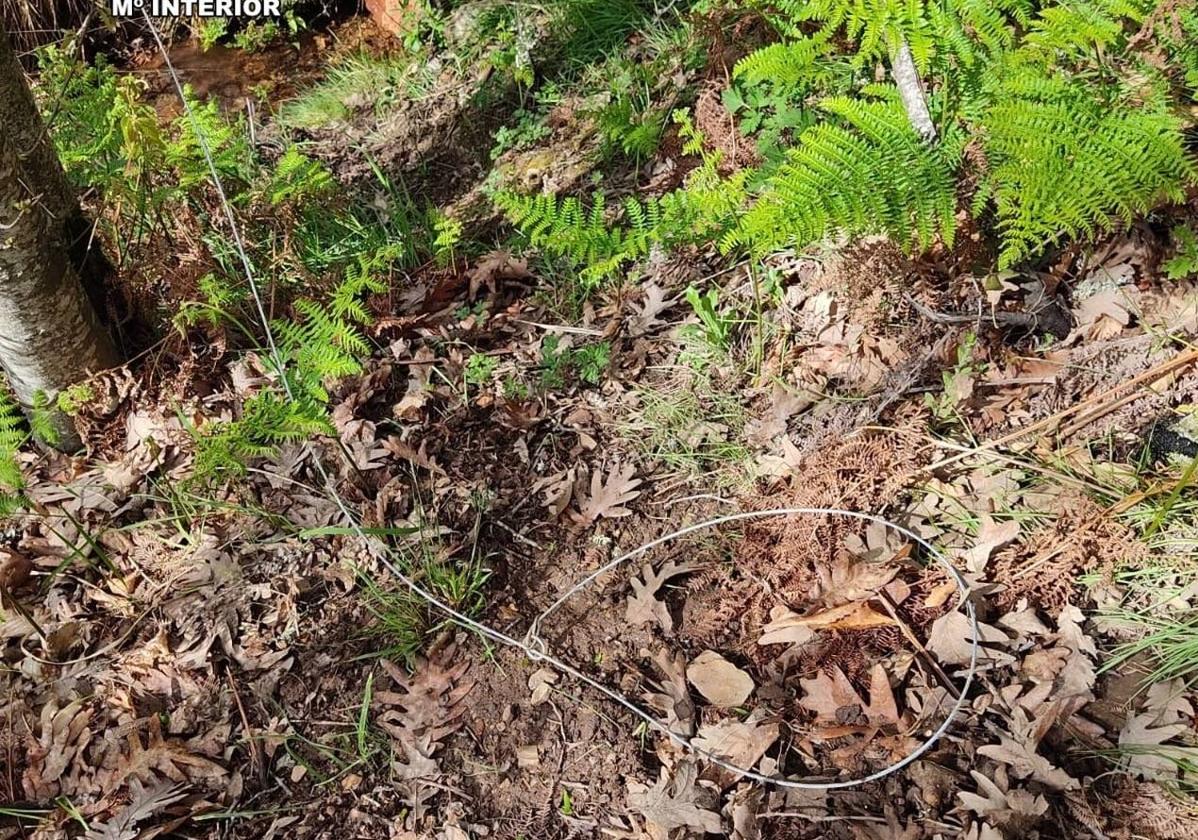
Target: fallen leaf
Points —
{"points": [[739, 742], [856, 616], [722, 683], [1000, 804], [643, 607], [1141, 740], [608, 496], [951, 640], [832, 697], [497, 265], [883, 708], [541, 683], [674, 801], [782, 631], [850, 579], [674, 698], [991, 537], [1025, 762], [654, 304], [143, 804]]}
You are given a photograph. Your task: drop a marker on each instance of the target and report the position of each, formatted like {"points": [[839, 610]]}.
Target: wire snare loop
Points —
{"points": [[533, 640], [533, 646]]}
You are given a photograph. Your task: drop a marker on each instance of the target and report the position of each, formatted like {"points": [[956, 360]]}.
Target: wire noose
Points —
{"points": [[533, 645]]}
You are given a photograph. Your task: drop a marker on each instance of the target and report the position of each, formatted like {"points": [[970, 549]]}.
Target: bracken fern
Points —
{"points": [[12, 437], [868, 172]]}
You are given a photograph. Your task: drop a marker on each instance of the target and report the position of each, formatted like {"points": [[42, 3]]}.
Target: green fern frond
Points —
{"points": [[1066, 162], [1082, 29], [268, 421], [866, 173], [787, 63], [563, 228], [297, 177], [878, 26], [12, 438]]}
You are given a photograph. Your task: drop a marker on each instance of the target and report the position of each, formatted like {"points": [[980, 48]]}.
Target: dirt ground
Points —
{"points": [[219, 668]]}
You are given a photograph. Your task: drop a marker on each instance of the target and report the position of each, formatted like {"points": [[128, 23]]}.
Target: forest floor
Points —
{"points": [[239, 662]]}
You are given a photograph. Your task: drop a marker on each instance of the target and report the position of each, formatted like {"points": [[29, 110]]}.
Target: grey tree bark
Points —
{"points": [[910, 88], [50, 337]]}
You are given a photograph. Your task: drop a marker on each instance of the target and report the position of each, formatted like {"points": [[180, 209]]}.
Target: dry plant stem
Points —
{"points": [[910, 88], [1091, 407], [928, 660]]}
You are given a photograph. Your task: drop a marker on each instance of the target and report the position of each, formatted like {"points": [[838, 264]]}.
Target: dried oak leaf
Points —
{"points": [[1001, 805], [161, 757], [674, 698], [722, 683], [654, 304], [848, 579], [143, 804], [643, 607], [608, 496], [782, 631], [64, 735], [855, 616], [1025, 762], [497, 265], [426, 709], [832, 698], [675, 802], [1141, 739], [951, 640], [991, 537], [739, 742]]}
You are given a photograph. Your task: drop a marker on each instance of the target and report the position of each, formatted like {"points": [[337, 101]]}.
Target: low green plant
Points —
{"points": [[1184, 261], [630, 122], [297, 178], [447, 236], [479, 369], [771, 86], [72, 400], [529, 127], [559, 363], [564, 228], [592, 361], [1052, 122], [716, 326], [693, 425], [945, 404], [12, 437], [1170, 640], [111, 141], [359, 79], [210, 31], [403, 620], [322, 344]]}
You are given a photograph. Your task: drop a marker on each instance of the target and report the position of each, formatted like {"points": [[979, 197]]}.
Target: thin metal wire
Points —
{"points": [[533, 646]]}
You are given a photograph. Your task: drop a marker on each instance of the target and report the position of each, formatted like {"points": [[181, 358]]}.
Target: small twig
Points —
{"points": [[256, 762], [920, 650], [999, 319]]}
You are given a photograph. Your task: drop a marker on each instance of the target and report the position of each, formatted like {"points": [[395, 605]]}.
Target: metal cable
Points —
{"points": [[533, 646]]}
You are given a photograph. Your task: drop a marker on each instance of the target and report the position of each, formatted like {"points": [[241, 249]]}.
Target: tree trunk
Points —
{"points": [[906, 79], [50, 337]]}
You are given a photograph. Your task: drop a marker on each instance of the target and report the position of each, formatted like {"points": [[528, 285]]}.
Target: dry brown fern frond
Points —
{"points": [[1146, 810], [1044, 568], [779, 560]]}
